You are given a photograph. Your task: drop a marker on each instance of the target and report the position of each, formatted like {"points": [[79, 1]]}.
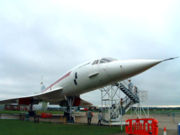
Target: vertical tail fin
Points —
{"points": [[42, 85]]}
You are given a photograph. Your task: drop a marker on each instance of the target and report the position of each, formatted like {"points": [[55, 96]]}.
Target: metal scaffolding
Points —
{"points": [[117, 99]]}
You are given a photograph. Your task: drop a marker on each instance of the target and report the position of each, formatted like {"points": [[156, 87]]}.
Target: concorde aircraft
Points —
{"points": [[86, 77]]}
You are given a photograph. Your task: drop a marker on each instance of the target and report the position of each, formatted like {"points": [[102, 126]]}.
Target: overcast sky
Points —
{"points": [[45, 38]]}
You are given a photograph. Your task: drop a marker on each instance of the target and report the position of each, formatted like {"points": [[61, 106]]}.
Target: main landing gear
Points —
{"points": [[68, 112]]}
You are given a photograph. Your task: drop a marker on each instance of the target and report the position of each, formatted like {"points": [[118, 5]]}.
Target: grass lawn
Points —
{"points": [[18, 112], [17, 127], [10, 112]]}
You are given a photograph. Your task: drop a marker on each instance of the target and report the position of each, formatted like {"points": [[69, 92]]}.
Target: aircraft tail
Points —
{"points": [[42, 86]]}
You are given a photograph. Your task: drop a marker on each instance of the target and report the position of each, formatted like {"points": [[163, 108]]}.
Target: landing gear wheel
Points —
{"points": [[68, 113]]}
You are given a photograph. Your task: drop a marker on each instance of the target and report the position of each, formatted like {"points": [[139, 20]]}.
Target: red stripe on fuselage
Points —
{"points": [[60, 79]]}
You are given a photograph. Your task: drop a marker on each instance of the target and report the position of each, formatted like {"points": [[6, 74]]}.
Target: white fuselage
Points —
{"points": [[92, 75], [87, 77]]}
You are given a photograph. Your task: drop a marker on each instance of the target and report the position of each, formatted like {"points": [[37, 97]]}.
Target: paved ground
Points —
{"points": [[169, 132], [165, 120]]}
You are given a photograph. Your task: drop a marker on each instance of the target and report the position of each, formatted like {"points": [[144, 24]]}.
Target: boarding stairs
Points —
{"points": [[127, 102], [132, 95], [120, 107]]}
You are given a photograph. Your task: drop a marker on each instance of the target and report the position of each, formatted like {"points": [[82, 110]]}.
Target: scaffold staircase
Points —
{"points": [[132, 95], [115, 106]]}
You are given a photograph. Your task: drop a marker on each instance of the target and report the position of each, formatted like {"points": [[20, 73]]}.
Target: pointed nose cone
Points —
{"points": [[124, 69], [134, 67]]}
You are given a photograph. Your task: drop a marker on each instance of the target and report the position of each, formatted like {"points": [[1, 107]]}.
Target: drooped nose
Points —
{"points": [[134, 67], [124, 69]]}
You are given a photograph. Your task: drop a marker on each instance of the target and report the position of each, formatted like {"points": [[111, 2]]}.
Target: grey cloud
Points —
{"points": [[47, 40]]}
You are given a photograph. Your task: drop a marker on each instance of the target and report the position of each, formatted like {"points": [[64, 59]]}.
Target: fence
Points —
{"points": [[146, 126]]}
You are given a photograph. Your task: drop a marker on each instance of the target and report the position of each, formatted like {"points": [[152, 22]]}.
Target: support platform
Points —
{"points": [[116, 101]]}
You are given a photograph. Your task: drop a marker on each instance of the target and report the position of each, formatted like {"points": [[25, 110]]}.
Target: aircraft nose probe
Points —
{"points": [[169, 59]]}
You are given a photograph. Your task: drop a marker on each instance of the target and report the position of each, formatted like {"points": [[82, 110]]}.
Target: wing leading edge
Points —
{"points": [[36, 98]]}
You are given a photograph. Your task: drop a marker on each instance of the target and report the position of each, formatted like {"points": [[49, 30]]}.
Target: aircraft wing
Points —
{"points": [[50, 96], [85, 103]]}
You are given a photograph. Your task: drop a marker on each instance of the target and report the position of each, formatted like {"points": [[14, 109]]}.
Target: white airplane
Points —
{"points": [[86, 77]]}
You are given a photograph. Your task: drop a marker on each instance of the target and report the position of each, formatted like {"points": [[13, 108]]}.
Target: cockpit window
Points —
{"points": [[106, 60], [103, 60], [95, 62]]}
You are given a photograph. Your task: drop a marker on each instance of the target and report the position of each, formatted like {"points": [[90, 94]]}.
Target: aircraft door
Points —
{"points": [[80, 79], [74, 81]]}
